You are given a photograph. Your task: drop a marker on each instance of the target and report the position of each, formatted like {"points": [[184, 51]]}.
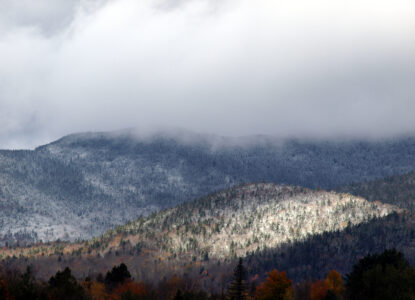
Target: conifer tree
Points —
{"points": [[118, 275], [381, 277], [178, 295], [238, 290], [65, 286]]}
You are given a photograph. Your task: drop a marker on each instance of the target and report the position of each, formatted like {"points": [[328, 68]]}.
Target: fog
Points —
{"points": [[302, 69]]}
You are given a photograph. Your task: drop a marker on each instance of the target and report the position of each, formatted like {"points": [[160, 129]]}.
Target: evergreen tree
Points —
{"points": [[238, 290], [64, 286], [178, 295], [381, 277], [25, 286], [118, 275]]}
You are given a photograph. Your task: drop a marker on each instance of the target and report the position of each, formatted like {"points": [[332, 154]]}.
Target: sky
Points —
{"points": [[287, 68]]}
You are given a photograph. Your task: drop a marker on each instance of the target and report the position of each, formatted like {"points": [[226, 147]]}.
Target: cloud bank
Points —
{"points": [[296, 68]]}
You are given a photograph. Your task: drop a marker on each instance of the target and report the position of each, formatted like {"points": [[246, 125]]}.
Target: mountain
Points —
{"points": [[84, 184], [398, 190], [250, 218], [260, 222]]}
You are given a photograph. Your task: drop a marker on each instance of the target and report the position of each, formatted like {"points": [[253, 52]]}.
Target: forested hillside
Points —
{"points": [[84, 184], [250, 218], [397, 190], [270, 225]]}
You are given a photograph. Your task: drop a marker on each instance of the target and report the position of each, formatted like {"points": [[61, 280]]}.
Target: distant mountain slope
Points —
{"points": [[84, 184], [250, 221], [241, 221], [397, 190], [246, 219]]}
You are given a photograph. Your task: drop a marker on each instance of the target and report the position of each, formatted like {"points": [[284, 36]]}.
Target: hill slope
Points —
{"points": [[84, 184], [249, 218], [250, 221], [397, 190]]}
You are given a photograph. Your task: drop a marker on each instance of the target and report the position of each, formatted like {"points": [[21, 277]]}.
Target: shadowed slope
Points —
{"points": [[271, 225], [397, 190], [84, 184]]}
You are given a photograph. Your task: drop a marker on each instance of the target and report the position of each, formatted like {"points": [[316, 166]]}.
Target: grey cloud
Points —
{"points": [[289, 69], [47, 16], [170, 4]]}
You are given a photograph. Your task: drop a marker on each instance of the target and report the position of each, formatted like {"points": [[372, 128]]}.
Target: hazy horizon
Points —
{"points": [[300, 69], [214, 140]]}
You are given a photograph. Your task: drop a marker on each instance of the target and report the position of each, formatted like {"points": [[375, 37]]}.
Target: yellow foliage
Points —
{"points": [[95, 289], [334, 282], [277, 286]]}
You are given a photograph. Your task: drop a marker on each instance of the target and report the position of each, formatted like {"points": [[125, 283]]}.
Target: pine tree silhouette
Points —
{"points": [[238, 288], [118, 275], [178, 295]]}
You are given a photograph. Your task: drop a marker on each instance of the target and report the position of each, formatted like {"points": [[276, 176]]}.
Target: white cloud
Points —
{"points": [[288, 68]]}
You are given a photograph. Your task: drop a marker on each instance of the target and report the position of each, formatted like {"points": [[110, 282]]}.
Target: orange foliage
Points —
{"points": [[174, 283], [277, 286], [4, 291], [131, 287], [334, 282], [95, 289], [318, 290]]}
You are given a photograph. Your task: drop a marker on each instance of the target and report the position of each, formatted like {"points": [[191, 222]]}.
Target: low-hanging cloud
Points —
{"points": [[233, 67]]}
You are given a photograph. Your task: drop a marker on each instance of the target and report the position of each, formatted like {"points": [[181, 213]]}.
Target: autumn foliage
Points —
{"points": [[333, 284], [96, 290], [368, 281], [277, 286], [128, 290], [4, 292], [318, 290]]}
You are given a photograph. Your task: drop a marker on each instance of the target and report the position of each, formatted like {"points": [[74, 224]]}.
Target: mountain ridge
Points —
{"points": [[83, 184], [398, 190], [248, 221]]}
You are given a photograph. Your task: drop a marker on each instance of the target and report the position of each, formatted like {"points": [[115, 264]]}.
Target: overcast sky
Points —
{"points": [[289, 68]]}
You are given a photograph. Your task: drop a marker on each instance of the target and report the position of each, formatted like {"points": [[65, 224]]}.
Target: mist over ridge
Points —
{"points": [[178, 139], [96, 180], [296, 69]]}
